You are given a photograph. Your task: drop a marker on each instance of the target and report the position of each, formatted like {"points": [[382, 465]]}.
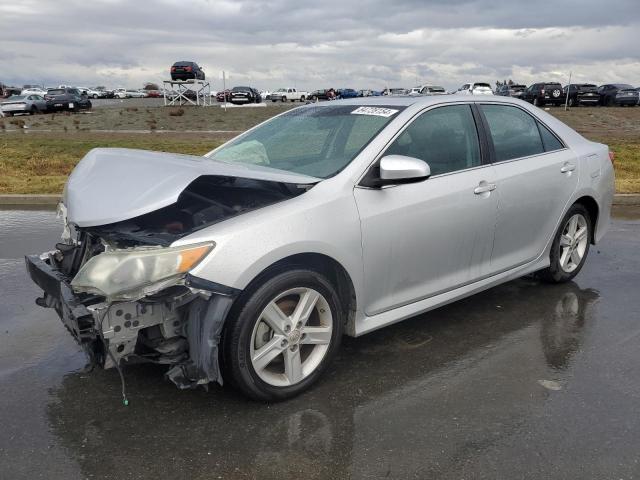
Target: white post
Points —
{"points": [[566, 100]]}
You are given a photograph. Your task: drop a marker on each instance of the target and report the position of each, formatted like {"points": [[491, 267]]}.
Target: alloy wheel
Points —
{"points": [[291, 337], [573, 242]]}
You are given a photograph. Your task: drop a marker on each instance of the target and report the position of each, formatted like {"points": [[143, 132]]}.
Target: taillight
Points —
{"points": [[612, 157], [187, 69], [173, 69], [542, 91]]}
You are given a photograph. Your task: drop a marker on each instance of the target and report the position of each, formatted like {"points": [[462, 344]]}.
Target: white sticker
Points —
{"points": [[377, 111], [71, 105]]}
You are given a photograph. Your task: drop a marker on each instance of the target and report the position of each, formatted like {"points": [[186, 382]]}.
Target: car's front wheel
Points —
{"points": [[282, 334], [570, 246]]}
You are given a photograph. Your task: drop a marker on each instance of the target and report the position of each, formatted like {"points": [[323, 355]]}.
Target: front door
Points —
{"points": [[425, 238]]}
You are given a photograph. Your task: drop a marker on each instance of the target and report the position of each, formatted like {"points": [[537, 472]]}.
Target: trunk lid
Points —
{"points": [[115, 184]]}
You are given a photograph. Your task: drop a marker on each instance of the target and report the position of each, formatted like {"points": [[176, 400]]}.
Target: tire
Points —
{"points": [[94, 96], [536, 102], [559, 272], [246, 332], [33, 111], [573, 102], [302, 99], [314, 99], [283, 99]]}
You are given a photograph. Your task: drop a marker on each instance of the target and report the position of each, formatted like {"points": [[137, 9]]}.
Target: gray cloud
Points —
{"points": [[366, 44]]}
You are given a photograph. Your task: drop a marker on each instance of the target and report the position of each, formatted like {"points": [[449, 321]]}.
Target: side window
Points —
{"points": [[514, 132], [549, 140], [445, 137]]}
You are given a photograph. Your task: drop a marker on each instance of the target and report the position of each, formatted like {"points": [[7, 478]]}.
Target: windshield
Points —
{"points": [[316, 140], [56, 91], [481, 85]]}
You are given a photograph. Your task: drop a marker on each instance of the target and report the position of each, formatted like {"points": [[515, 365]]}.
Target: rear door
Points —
{"points": [[536, 176]]}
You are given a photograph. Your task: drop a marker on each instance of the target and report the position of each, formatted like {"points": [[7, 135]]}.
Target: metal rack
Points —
{"points": [[187, 92]]}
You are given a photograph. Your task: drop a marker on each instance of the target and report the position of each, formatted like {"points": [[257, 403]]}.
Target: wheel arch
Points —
{"points": [[592, 207], [335, 272]]}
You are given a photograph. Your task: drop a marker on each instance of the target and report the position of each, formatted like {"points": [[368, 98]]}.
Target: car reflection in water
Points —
{"points": [[421, 398]]}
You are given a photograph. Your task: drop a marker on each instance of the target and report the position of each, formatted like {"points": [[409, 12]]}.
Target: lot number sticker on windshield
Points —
{"points": [[377, 111]]}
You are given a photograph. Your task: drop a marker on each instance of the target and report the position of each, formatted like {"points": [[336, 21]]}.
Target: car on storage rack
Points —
{"points": [[250, 263], [30, 104], [66, 98], [244, 95], [288, 94], [620, 94], [581, 94], [515, 90], [544, 93], [34, 91], [186, 71]]}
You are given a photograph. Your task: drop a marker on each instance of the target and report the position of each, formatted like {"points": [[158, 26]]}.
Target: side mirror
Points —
{"points": [[396, 169]]}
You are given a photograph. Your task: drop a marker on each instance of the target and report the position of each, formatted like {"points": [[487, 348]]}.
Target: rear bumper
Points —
{"points": [[626, 101]]}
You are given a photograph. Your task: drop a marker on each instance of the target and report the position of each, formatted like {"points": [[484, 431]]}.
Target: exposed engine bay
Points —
{"points": [[206, 201], [180, 322]]}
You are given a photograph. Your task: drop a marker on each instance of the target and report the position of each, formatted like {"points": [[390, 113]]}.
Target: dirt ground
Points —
{"points": [[38, 152]]}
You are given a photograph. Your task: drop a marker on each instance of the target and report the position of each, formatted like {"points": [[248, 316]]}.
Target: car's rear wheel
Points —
{"points": [[33, 110], [536, 102], [570, 246], [284, 99], [282, 334], [302, 99]]}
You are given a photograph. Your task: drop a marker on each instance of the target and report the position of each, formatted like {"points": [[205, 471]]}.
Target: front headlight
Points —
{"points": [[118, 273]]}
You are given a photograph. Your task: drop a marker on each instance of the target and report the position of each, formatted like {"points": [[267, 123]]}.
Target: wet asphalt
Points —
{"points": [[526, 380]]}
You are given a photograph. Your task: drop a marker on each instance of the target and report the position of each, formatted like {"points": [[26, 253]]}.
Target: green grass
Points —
{"points": [[41, 163]]}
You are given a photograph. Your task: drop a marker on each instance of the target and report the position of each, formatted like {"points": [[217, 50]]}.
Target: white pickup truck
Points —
{"points": [[291, 94]]}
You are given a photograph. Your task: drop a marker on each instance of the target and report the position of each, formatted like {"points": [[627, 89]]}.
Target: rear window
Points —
{"points": [[183, 64], [481, 85], [623, 86], [56, 91]]}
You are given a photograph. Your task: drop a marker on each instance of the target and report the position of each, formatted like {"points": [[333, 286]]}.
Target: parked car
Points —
{"points": [[638, 90], [515, 91], [66, 98], [223, 96], [394, 91], [415, 91], [34, 91], [545, 93], [346, 93], [30, 104], [244, 95], [475, 88], [288, 94], [432, 90], [104, 92], [581, 94], [323, 94], [365, 93], [89, 92], [128, 93], [254, 260], [186, 71], [619, 94]]}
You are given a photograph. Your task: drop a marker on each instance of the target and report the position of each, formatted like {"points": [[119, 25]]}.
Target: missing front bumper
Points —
{"points": [[179, 326]]}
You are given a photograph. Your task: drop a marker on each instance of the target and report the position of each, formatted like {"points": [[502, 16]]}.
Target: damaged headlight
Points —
{"points": [[115, 273]]}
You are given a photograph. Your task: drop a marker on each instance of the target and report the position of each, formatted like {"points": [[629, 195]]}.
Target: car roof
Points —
{"points": [[405, 101]]}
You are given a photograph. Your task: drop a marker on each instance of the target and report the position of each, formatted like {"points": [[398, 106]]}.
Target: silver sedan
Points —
{"points": [[29, 104], [252, 262]]}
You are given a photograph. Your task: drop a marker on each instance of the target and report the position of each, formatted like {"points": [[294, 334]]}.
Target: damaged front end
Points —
{"points": [[175, 320], [122, 290]]}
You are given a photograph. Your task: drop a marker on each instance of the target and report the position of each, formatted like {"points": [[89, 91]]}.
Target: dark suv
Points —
{"points": [[515, 91], [543, 94], [186, 71], [617, 94], [581, 94], [66, 99]]}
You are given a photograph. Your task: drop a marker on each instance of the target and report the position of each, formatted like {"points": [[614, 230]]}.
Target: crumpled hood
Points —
{"points": [[114, 184]]}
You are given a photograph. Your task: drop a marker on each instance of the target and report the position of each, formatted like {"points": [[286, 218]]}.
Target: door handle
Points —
{"points": [[568, 167], [484, 188]]}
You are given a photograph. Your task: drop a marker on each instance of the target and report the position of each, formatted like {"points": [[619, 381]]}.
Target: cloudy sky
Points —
{"points": [[357, 44]]}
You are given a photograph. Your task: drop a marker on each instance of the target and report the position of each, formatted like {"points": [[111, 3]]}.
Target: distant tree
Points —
{"points": [[150, 86], [510, 82]]}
